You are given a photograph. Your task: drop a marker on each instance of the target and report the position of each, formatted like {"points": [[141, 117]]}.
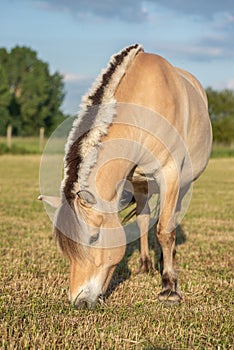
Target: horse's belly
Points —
{"points": [[143, 183]]}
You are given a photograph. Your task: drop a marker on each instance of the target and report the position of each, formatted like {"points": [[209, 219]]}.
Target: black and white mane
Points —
{"points": [[97, 112]]}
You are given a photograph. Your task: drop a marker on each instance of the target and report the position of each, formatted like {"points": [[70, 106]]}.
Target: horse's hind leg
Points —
{"points": [[143, 217], [166, 235]]}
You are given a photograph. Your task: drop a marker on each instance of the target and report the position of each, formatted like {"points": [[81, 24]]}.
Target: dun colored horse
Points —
{"points": [[143, 124]]}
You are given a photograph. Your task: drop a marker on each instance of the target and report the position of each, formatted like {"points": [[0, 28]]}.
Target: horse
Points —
{"points": [[143, 127]]}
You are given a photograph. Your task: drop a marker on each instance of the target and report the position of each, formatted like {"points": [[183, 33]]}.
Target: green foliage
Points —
{"points": [[5, 98], [30, 97], [221, 109]]}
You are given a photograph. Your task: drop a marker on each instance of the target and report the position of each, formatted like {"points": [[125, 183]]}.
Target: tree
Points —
{"points": [[55, 99], [36, 95], [5, 98], [221, 109]]}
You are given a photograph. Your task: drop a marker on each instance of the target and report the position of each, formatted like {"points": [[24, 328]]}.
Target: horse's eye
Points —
{"points": [[94, 238]]}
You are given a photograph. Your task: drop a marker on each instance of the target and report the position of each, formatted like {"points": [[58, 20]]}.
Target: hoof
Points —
{"points": [[145, 266], [169, 297]]}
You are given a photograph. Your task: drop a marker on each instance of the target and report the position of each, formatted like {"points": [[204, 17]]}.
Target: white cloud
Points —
{"points": [[131, 10], [230, 84], [199, 7], [135, 10], [214, 18], [224, 84], [75, 78]]}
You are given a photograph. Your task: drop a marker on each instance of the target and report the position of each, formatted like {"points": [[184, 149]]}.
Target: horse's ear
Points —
{"points": [[54, 202], [86, 198]]}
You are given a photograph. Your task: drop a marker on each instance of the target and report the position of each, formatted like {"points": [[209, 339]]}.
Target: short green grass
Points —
{"points": [[34, 309], [22, 145]]}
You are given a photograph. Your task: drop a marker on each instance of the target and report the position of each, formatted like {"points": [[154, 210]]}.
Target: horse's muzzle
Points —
{"points": [[84, 304]]}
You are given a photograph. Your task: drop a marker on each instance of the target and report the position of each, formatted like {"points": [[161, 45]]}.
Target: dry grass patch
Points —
{"points": [[35, 313]]}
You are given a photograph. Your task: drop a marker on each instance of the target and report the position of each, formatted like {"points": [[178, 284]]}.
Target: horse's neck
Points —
{"points": [[112, 168]]}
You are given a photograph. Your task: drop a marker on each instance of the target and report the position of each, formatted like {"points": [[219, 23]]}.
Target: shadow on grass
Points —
{"points": [[122, 272]]}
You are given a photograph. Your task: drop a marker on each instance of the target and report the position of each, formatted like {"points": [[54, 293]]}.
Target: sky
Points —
{"points": [[77, 37]]}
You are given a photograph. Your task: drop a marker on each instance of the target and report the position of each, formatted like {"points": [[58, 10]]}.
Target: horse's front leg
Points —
{"points": [[166, 235], [143, 218]]}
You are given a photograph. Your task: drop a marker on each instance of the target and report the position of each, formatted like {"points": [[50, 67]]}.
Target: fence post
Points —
{"points": [[9, 136], [41, 142]]}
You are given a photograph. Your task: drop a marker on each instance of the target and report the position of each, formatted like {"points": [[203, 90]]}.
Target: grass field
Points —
{"points": [[22, 145], [34, 310]]}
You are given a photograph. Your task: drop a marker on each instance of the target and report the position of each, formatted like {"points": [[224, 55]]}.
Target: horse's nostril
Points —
{"points": [[85, 304], [82, 304]]}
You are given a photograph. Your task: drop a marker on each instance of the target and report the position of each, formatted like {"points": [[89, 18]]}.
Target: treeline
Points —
{"points": [[30, 96], [221, 109]]}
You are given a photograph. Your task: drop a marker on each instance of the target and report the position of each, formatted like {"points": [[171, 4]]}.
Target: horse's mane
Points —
{"points": [[97, 112]]}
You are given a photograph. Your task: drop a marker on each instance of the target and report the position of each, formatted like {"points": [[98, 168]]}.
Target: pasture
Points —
{"points": [[35, 312]]}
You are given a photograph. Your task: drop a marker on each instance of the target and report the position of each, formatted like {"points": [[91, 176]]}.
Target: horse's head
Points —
{"points": [[94, 242]]}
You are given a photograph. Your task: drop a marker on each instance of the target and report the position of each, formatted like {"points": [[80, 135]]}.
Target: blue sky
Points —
{"points": [[77, 37]]}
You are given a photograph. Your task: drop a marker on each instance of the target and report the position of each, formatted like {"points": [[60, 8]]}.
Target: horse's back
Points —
{"points": [[152, 82]]}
